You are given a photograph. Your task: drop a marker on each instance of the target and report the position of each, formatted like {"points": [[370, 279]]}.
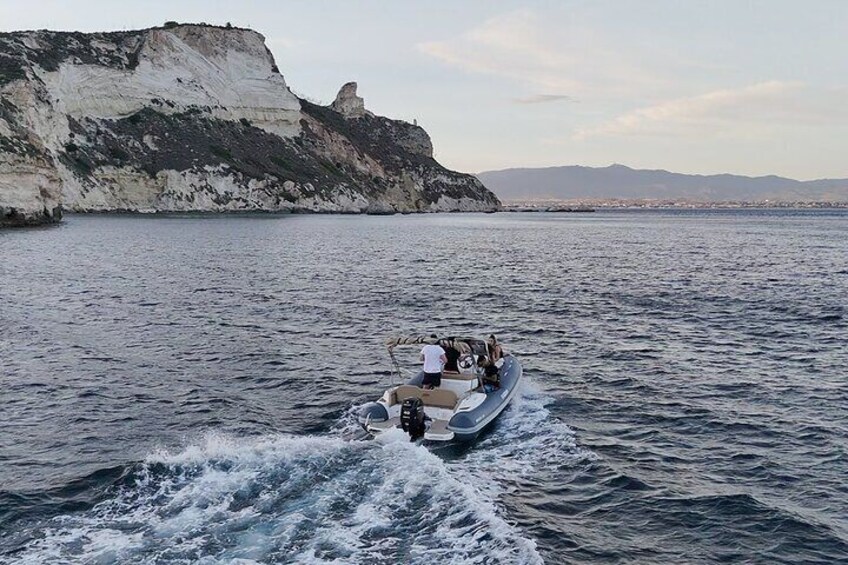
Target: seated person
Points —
{"points": [[496, 352], [491, 375], [452, 356]]}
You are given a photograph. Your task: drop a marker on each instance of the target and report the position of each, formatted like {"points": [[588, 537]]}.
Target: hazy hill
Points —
{"points": [[618, 181]]}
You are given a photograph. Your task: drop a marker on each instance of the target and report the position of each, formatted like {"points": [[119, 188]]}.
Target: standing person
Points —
{"points": [[434, 359]]}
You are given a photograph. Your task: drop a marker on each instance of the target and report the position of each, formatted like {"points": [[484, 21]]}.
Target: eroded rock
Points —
{"points": [[198, 118]]}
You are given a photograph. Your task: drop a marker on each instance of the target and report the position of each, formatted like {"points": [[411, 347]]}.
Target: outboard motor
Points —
{"points": [[412, 418]]}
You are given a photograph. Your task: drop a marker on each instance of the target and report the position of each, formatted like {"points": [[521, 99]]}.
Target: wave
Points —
{"points": [[526, 439], [317, 499]]}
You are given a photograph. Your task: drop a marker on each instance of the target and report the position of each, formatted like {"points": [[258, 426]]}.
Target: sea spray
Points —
{"points": [[318, 499]]}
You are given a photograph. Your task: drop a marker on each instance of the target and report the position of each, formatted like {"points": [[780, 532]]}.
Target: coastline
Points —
{"points": [[583, 205]]}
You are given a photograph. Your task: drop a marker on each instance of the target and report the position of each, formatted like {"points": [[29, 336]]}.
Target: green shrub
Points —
{"points": [[221, 152]]}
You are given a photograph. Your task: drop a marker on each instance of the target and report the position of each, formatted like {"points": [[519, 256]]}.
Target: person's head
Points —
{"points": [[492, 340], [482, 361], [434, 338]]}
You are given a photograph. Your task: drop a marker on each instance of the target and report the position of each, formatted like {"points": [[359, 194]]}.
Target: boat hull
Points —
{"points": [[373, 412], [464, 425], [467, 425]]}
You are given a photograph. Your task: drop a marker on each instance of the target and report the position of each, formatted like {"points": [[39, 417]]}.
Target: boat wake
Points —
{"points": [[526, 442], [315, 499]]}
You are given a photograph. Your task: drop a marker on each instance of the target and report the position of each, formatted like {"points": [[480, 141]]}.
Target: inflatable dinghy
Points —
{"points": [[459, 408]]}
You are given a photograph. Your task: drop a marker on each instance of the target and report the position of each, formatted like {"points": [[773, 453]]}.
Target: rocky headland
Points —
{"points": [[197, 118]]}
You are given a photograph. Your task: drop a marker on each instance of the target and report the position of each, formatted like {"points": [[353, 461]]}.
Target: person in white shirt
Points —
{"points": [[434, 359]]}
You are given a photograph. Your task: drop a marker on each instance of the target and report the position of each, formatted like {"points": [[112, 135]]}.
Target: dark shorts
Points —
{"points": [[432, 379]]}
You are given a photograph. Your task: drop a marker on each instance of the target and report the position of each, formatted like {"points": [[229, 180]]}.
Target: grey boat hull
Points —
{"points": [[466, 426]]}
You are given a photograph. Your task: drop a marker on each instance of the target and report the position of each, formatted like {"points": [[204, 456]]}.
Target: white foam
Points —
{"points": [[347, 425], [525, 440], [304, 499], [320, 499]]}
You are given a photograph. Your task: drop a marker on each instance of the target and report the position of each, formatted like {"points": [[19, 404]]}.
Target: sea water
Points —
{"points": [[183, 389]]}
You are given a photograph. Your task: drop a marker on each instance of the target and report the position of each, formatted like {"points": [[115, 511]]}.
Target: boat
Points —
{"points": [[459, 409]]}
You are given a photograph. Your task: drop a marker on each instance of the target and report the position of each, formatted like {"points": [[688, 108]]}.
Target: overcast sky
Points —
{"points": [[700, 86]]}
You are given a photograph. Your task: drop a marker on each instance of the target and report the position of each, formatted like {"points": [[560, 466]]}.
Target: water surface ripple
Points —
{"points": [[182, 389]]}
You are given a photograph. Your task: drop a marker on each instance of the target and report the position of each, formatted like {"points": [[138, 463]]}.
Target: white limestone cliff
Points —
{"points": [[30, 191], [197, 118], [228, 71], [347, 103]]}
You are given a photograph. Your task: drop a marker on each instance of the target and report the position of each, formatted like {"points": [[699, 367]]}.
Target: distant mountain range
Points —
{"points": [[621, 182]]}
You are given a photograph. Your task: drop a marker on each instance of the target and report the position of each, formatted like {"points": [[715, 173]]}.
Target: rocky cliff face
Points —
{"points": [[197, 118]]}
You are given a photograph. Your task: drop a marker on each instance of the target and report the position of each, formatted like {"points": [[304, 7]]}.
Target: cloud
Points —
{"points": [[506, 45], [521, 47], [542, 98], [749, 110]]}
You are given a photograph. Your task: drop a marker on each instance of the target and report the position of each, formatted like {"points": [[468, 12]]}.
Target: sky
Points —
{"points": [[751, 87]]}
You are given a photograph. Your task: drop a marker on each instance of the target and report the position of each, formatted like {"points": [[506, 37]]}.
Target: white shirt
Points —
{"points": [[432, 358]]}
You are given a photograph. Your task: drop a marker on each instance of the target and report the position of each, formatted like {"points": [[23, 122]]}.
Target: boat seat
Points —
{"points": [[458, 376], [437, 397], [406, 391]]}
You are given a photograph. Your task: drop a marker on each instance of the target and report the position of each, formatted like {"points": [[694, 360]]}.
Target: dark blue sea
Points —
{"points": [[183, 389]]}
